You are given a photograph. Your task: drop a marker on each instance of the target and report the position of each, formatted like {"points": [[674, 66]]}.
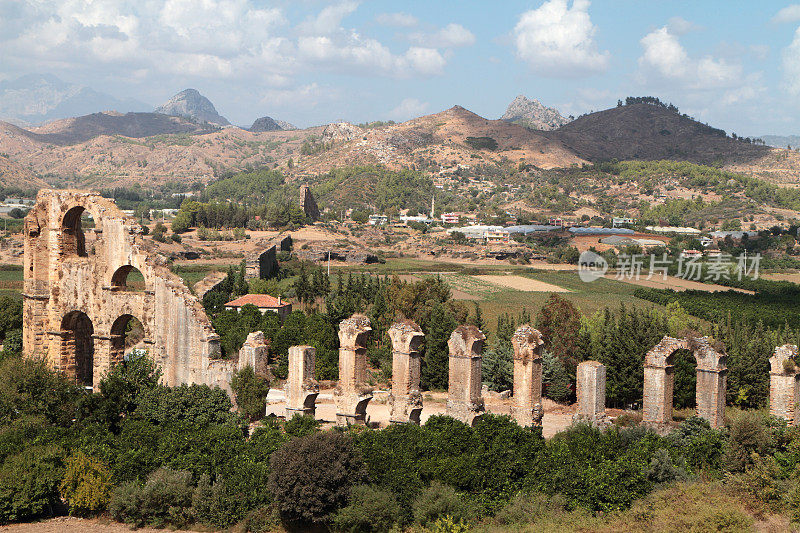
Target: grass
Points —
{"points": [[699, 507], [191, 274]]}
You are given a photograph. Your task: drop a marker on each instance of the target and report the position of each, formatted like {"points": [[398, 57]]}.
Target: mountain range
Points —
{"points": [[36, 98], [104, 149]]}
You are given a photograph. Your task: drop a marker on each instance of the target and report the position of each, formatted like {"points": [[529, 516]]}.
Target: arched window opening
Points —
{"points": [[684, 394], [77, 347], [75, 240], [127, 335], [127, 278]]}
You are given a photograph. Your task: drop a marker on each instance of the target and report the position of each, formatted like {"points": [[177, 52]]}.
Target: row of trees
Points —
{"points": [[179, 457]]}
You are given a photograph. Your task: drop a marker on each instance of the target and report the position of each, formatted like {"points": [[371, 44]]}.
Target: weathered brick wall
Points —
{"points": [[591, 389], [301, 387], [784, 384], [353, 394], [64, 276]]}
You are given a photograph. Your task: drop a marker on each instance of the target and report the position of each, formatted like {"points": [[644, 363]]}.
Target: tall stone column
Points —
{"points": [[301, 388], [405, 402], [659, 382], [527, 407], [784, 387], [353, 394], [710, 395], [591, 391], [464, 400]]}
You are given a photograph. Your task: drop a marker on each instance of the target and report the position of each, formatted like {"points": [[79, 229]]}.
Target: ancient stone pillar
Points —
{"points": [[254, 353], [659, 381], [353, 394], [527, 407], [405, 401], [784, 384], [464, 400], [301, 388], [712, 377], [591, 391]]}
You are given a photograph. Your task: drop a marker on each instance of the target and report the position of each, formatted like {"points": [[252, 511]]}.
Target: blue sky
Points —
{"points": [[734, 64]]}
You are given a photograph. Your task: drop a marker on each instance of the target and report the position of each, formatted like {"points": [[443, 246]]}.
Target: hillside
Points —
{"points": [[650, 132], [432, 142], [12, 175], [134, 125]]}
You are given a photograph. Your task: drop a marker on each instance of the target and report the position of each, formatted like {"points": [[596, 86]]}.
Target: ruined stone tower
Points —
{"points": [[527, 407], [405, 402], [464, 400], [308, 204]]}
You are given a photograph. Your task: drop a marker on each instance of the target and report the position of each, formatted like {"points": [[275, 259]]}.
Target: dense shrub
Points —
{"points": [[313, 477], [29, 483], [86, 485], [301, 425], [199, 405], [251, 393], [438, 501], [164, 500], [371, 510], [29, 388]]}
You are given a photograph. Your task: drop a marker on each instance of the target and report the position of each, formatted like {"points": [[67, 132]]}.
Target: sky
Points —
{"points": [[734, 64]]}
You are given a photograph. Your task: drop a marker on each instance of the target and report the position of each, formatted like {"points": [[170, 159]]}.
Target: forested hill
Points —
{"points": [[648, 131]]}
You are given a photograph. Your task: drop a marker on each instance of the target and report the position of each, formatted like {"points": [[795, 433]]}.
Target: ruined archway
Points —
{"points": [[77, 347], [659, 380], [127, 278], [127, 333], [73, 238]]}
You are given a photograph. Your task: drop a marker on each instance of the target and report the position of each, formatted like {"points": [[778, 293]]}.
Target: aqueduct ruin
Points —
{"points": [[82, 310], [659, 380], [79, 307]]}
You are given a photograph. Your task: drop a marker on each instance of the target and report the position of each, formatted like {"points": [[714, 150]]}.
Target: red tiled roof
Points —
{"points": [[259, 300]]}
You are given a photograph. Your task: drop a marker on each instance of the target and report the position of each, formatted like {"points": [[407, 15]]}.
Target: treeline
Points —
{"points": [[375, 188], [702, 176], [151, 455]]}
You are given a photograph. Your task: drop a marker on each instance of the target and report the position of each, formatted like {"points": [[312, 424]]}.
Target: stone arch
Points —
{"points": [[74, 240], [126, 332], [77, 347], [120, 279], [659, 380]]}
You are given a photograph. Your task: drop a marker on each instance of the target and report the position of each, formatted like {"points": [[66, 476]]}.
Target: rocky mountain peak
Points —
{"points": [[533, 114], [341, 132], [265, 124], [189, 103]]}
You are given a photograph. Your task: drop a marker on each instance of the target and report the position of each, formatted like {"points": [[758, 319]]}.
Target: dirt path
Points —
{"points": [[521, 283], [556, 417], [68, 524]]}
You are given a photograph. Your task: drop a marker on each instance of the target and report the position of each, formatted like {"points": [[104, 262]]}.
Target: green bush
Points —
{"points": [[86, 485], [264, 519], [251, 393], [749, 434], [29, 388], [199, 405], [29, 483], [371, 510], [301, 425], [312, 478], [164, 500], [439, 501]]}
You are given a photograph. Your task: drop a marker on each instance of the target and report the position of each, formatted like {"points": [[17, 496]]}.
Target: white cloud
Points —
{"points": [[328, 20], [666, 64], [791, 65], [664, 53], [790, 13], [407, 109], [216, 39], [451, 36], [681, 26], [402, 20], [665, 57], [558, 40]]}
